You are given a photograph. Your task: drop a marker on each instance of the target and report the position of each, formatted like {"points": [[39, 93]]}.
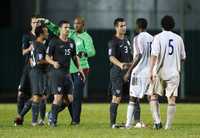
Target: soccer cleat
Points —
{"points": [[74, 123], [34, 124], [117, 126], [157, 126], [140, 125], [52, 124], [18, 121], [41, 122]]}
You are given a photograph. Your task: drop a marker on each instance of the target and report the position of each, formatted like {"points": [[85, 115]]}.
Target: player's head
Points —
{"points": [[41, 31], [79, 24], [64, 27], [167, 23], [141, 24], [34, 21], [120, 25]]}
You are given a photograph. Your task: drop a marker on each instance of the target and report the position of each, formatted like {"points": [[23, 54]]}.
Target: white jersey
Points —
{"points": [[170, 50], [142, 45]]}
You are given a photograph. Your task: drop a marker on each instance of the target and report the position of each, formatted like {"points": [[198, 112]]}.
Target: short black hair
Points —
{"points": [[167, 22], [39, 30], [63, 22], [117, 20], [142, 23], [35, 16]]}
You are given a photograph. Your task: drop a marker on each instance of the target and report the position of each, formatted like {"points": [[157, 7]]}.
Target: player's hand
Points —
{"points": [[126, 77], [82, 75], [56, 65], [124, 66], [82, 54], [30, 47]]}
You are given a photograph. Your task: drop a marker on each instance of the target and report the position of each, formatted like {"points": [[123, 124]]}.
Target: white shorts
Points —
{"points": [[170, 86], [138, 86]]}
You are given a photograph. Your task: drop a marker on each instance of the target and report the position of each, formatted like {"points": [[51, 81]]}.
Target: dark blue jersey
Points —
{"points": [[27, 40], [62, 51]]}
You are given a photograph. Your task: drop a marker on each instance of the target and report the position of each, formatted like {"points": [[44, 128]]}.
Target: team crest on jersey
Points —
{"points": [[118, 91], [71, 45], [40, 56]]}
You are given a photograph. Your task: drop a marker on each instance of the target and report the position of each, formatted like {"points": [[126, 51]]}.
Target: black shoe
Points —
{"points": [[157, 126], [75, 123], [18, 121]]}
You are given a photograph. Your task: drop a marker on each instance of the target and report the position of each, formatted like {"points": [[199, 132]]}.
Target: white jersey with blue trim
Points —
{"points": [[142, 45], [170, 50]]}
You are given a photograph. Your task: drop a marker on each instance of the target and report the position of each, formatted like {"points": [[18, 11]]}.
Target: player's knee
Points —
{"points": [[116, 99], [57, 99], [36, 98], [172, 100], [132, 99]]}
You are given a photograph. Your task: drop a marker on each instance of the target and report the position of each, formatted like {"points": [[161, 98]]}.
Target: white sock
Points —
{"points": [[130, 113], [155, 111], [171, 109]]}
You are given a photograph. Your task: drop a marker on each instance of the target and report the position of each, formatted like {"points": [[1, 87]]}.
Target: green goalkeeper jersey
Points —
{"points": [[83, 43]]}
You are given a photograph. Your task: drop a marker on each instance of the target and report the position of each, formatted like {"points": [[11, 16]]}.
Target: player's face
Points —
{"points": [[46, 33], [78, 25], [64, 29], [34, 23], [121, 28]]}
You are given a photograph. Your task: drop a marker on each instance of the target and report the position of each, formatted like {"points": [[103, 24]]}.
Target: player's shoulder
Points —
{"points": [[54, 40], [28, 35], [178, 37]]}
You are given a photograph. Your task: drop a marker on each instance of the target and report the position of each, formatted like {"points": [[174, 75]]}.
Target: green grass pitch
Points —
{"points": [[95, 123]]}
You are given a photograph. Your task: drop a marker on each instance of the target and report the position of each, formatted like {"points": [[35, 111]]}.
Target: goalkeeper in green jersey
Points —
{"points": [[85, 49]]}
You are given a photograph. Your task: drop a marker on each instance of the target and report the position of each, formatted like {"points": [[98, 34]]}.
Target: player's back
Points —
{"points": [[142, 45], [171, 52]]}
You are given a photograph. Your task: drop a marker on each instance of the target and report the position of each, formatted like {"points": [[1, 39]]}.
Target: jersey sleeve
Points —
{"points": [[183, 53], [137, 45], [155, 47], [73, 52], [25, 42], [89, 46], [51, 48], [111, 49]]}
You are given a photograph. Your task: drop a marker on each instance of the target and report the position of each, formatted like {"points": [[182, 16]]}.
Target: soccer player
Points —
{"points": [[27, 40], [167, 52], [59, 53], [25, 105], [120, 56], [84, 49], [139, 72]]}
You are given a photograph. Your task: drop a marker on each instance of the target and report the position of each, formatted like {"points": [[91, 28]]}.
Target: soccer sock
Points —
{"points": [[42, 107], [62, 106], [113, 113], [129, 113], [20, 103], [70, 110], [154, 111], [54, 111], [26, 108], [136, 111], [171, 109], [35, 111]]}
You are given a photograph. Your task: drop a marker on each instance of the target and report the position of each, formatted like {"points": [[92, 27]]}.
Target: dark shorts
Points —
{"points": [[24, 84], [117, 83], [37, 81], [60, 82]]}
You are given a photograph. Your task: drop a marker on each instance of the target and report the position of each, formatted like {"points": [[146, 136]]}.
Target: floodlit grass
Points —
{"points": [[95, 123]]}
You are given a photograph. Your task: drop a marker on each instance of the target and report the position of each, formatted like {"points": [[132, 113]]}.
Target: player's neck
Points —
{"points": [[33, 32], [40, 40], [120, 36], [63, 37]]}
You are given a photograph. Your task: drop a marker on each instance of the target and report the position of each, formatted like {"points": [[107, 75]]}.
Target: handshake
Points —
{"points": [[125, 66]]}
